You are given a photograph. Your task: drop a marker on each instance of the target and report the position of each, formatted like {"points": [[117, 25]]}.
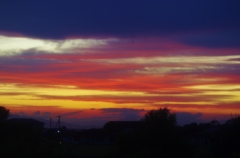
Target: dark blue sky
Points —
{"points": [[57, 19]]}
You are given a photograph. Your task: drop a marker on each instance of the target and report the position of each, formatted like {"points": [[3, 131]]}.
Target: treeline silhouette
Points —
{"points": [[156, 135], [160, 137]]}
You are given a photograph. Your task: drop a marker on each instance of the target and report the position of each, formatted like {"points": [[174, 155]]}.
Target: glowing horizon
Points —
{"points": [[101, 79]]}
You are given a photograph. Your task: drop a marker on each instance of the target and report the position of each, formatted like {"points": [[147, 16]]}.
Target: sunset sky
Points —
{"points": [[92, 61]]}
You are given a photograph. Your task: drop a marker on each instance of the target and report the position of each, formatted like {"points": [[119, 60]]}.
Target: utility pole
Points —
{"points": [[50, 122], [58, 125]]}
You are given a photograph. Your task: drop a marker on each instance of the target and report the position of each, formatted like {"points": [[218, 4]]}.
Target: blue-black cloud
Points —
{"points": [[126, 114], [62, 18], [186, 118]]}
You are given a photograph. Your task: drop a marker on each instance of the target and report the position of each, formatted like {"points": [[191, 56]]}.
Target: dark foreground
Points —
{"points": [[149, 138]]}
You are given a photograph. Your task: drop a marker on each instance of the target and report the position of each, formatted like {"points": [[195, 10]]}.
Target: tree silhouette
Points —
{"points": [[160, 126], [160, 118], [4, 113], [155, 137], [162, 136]]}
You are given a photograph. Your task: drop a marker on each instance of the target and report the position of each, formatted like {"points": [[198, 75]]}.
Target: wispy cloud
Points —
{"points": [[17, 45]]}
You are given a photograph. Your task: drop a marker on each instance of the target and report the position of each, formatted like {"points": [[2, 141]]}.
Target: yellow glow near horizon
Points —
{"points": [[229, 93], [35, 95], [64, 91], [35, 101], [13, 94], [216, 87]]}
